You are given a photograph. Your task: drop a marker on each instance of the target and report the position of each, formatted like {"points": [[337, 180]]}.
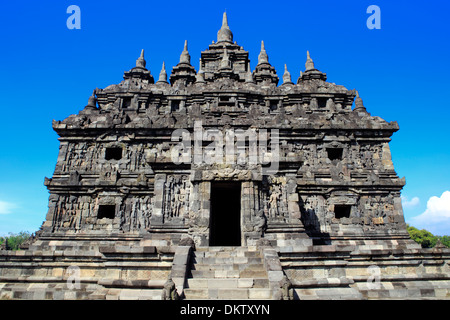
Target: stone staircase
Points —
{"points": [[227, 273]]}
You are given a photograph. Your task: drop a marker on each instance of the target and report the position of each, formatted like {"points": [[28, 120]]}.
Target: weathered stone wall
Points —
{"points": [[379, 270], [361, 177], [94, 269], [89, 157]]}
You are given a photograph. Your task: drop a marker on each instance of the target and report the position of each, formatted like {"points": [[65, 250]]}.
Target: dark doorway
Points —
{"points": [[225, 221]]}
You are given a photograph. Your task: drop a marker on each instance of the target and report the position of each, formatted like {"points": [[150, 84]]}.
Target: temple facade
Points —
{"points": [[294, 162], [227, 162]]}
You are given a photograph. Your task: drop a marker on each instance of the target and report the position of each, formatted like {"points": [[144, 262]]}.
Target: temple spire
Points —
{"points": [[310, 71], [185, 57], [200, 77], [264, 72], [286, 76], [139, 71], [248, 75], [309, 65], [263, 57], [163, 74], [140, 62], [92, 102], [224, 20], [359, 106], [183, 72], [224, 34]]}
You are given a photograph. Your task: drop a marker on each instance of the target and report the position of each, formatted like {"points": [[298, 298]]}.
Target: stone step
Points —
{"points": [[227, 260], [126, 294], [226, 254], [217, 274], [212, 274], [228, 267], [224, 248], [228, 293], [228, 273], [328, 294], [212, 283]]}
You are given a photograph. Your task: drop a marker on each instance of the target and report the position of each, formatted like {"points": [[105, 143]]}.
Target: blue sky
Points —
{"points": [[48, 72]]}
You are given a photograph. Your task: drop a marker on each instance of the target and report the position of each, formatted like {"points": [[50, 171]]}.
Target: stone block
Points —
{"points": [[254, 273], [233, 294], [261, 283], [259, 294], [273, 264], [197, 283], [129, 294], [222, 283], [275, 276], [245, 283], [196, 294], [150, 295]]}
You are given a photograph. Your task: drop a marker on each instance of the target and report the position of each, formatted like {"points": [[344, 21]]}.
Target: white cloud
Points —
{"points": [[410, 203], [436, 217], [6, 207]]}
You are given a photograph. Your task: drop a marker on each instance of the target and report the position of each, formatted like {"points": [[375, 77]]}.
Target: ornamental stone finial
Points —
{"points": [[248, 75], [92, 102], [185, 57], [309, 65], [263, 57], [286, 75], [359, 106], [224, 20], [140, 62], [200, 77], [163, 73], [224, 34]]}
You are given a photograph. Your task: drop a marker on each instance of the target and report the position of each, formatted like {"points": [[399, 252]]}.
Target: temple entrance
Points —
{"points": [[225, 220]]}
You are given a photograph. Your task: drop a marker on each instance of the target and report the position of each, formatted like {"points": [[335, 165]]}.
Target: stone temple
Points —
{"points": [[224, 183]]}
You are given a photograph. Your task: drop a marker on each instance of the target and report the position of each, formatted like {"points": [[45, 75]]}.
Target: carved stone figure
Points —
{"points": [[273, 202], [170, 291], [286, 291], [261, 224]]}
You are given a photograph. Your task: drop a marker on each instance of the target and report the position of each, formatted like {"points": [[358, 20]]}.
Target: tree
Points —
{"points": [[445, 240], [13, 241], [425, 238]]}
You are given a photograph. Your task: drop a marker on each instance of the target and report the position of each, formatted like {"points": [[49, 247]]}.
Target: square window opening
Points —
{"points": [[175, 105], [322, 102], [126, 102], [106, 211], [342, 211], [334, 153], [114, 153]]}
